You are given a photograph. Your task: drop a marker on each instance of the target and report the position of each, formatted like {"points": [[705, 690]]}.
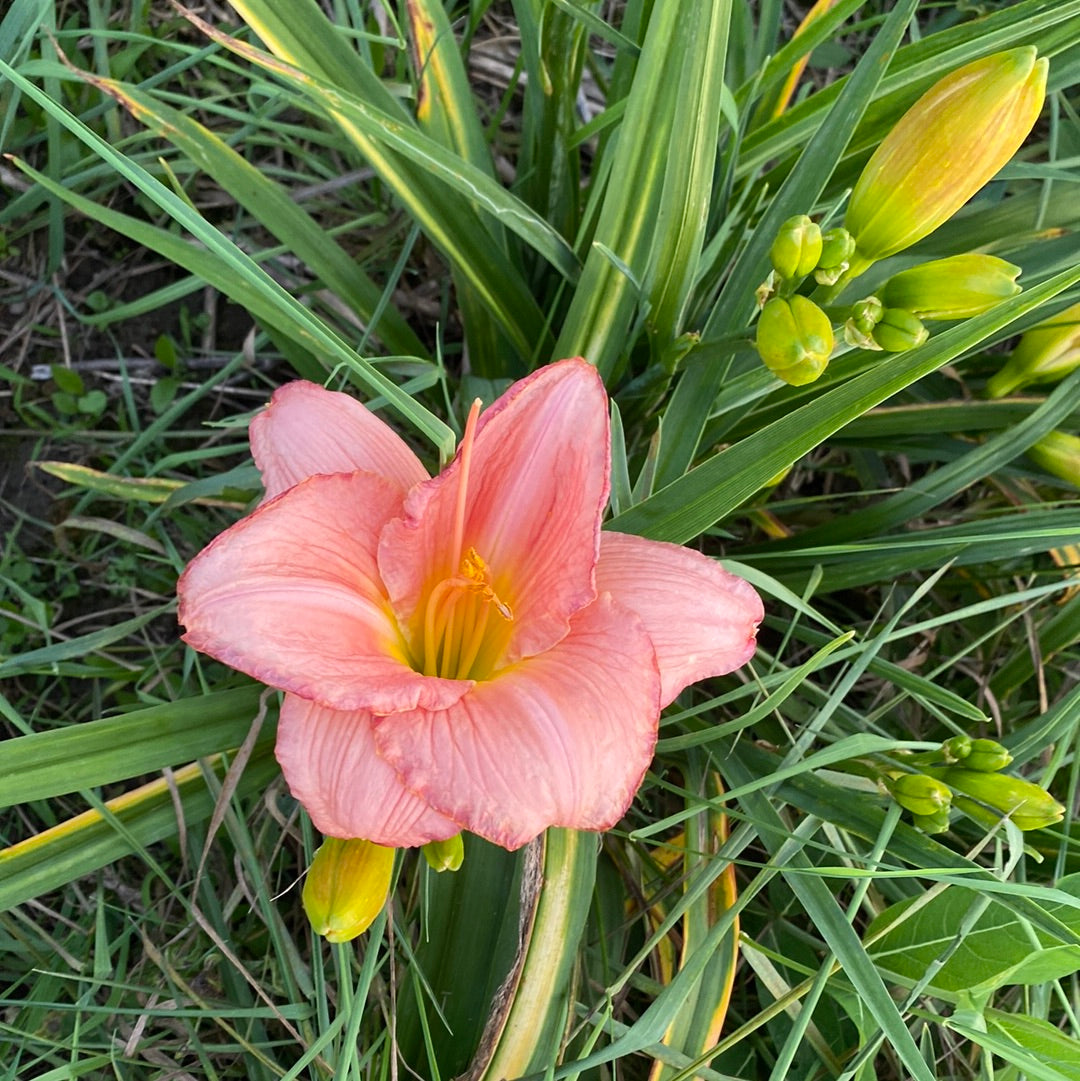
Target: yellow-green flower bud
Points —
{"points": [[920, 794], [1049, 351], [794, 339], [938, 822], [898, 330], [1059, 454], [445, 855], [987, 756], [797, 247], [837, 248], [954, 288], [943, 150], [1027, 805], [956, 748], [346, 887]]}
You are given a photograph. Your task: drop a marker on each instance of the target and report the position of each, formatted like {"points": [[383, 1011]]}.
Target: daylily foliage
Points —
{"points": [[464, 651]]}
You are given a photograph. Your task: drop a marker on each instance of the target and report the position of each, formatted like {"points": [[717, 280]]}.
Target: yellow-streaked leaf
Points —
{"points": [[128, 489]]}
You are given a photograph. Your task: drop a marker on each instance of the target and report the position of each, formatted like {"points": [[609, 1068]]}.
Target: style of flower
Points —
{"points": [[467, 651]]}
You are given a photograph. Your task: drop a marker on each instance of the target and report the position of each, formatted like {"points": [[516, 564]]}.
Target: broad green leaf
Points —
{"points": [[1045, 1043], [471, 920], [75, 848], [1036, 1065], [525, 1032], [48, 764], [1000, 948]]}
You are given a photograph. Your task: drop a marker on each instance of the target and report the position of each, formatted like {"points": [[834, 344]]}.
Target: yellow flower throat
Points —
{"points": [[462, 639], [466, 625]]}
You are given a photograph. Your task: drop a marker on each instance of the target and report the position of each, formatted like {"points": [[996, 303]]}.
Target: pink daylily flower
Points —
{"points": [[465, 651]]}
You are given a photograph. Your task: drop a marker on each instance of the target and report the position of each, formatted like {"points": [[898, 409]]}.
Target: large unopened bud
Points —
{"points": [[795, 339], [797, 247], [987, 756], [1049, 351], [920, 794], [1059, 454], [1027, 805], [943, 150], [346, 887], [954, 288]]}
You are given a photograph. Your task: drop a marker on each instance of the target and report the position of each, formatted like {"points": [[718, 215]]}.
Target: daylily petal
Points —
{"points": [[307, 429], [537, 485], [561, 739], [291, 595], [328, 757], [701, 619]]}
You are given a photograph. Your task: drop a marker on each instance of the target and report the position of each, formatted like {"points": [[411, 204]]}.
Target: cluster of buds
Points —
{"points": [[965, 773], [981, 113]]}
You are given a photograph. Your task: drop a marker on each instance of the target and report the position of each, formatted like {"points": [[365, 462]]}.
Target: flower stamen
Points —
{"points": [[457, 630]]}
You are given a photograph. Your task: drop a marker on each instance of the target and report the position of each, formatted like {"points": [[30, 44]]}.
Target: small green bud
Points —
{"points": [[859, 327], [954, 288], [1047, 352], [837, 247], [943, 150], [445, 855], [938, 822], [797, 247], [920, 794], [1027, 805], [987, 756], [346, 887], [956, 748], [794, 339], [867, 313], [1059, 454], [898, 330]]}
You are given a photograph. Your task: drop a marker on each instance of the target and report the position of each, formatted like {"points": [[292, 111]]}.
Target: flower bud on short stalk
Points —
{"points": [[919, 793], [954, 288], [445, 855], [943, 150], [898, 330], [797, 247], [837, 248], [1059, 454], [1027, 805], [1047, 352], [956, 748], [859, 327], [346, 887], [794, 339], [987, 756]]}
